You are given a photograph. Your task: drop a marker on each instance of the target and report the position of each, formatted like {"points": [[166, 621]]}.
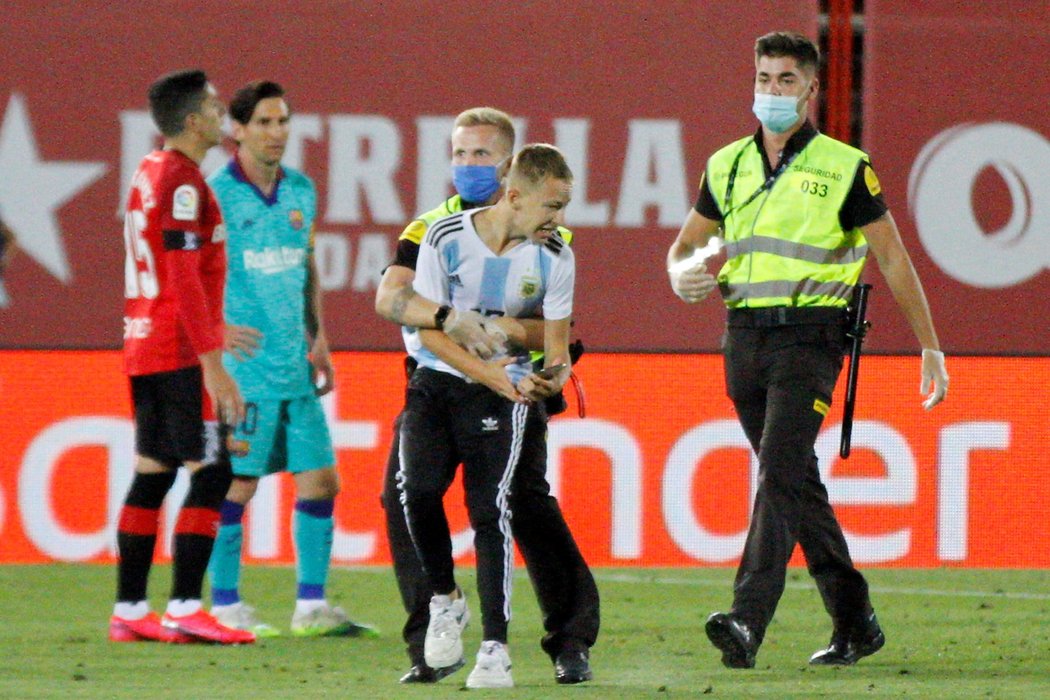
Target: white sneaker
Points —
{"points": [[329, 621], [241, 616], [443, 646], [493, 667]]}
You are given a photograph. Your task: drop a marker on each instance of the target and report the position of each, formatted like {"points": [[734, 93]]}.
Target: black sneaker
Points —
{"points": [[734, 639], [848, 648], [572, 666], [421, 673]]}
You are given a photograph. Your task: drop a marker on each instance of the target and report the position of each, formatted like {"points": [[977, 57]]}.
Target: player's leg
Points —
{"points": [[254, 441], [225, 568], [197, 443], [138, 523], [194, 537], [137, 527], [311, 460], [564, 585], [195, 528]]}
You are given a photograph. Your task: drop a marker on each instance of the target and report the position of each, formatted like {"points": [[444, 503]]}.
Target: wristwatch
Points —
{"points": [[440, 315]]}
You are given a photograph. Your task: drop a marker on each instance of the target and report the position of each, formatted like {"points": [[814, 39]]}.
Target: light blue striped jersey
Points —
{"points": [[268, 245], [455, 267]]}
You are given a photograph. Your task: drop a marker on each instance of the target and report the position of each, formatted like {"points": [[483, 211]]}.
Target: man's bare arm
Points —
{"points": [[397, 301], [320, 355], [895, 264]]}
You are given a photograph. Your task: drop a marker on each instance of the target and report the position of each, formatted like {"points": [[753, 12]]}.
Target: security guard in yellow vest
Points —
{"points": [[799, 212], [482, 143]]}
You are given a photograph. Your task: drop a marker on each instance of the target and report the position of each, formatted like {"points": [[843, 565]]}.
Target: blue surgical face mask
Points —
{"points": [[475, 183], [778, 113]]}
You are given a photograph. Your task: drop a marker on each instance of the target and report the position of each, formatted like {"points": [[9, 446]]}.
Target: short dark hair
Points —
{"points": [[174, 96], [790, 44], [244, 101], [537, 161]]}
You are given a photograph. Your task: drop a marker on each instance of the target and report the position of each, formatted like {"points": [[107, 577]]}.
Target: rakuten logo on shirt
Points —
{"points": [[273, 260]]}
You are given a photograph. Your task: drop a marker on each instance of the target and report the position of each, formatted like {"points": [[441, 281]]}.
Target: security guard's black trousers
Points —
{"points": [[780, 379], [564, 585]]}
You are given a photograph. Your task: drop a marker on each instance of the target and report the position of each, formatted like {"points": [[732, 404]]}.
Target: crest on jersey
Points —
{"points": [[295, 218], [529, 287], [184, 203]]}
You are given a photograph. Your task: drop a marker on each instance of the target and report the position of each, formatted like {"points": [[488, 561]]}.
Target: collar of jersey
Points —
{"points": [[237, 170]]}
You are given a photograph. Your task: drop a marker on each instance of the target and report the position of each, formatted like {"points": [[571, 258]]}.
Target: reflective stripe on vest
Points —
{"points": [[787, 247]]}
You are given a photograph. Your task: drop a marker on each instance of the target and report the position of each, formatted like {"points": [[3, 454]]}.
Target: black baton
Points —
{"points": [[855, 331]]}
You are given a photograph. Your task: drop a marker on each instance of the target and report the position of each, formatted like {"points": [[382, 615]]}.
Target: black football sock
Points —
{"points": [[137, 533], [195, 530]]}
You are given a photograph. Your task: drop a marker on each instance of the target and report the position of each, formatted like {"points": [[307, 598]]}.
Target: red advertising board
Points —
{"points": [[637, 94], [658, 473], [951, 119]]}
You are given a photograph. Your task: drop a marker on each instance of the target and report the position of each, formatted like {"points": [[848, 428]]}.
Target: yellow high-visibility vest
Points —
{"points": [[786, 247]]}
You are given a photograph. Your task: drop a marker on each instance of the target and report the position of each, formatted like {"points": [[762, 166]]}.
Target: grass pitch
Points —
{"points": [[951, 633]]}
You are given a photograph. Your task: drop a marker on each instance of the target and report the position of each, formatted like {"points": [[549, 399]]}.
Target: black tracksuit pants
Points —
{"points": [[566, 590], [780, 379]]}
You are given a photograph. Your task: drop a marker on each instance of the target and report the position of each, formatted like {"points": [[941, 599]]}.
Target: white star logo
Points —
{"points": [[32, 191]]}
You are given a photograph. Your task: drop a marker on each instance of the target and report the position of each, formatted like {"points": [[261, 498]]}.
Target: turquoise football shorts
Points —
{"points": [[283, 435]]}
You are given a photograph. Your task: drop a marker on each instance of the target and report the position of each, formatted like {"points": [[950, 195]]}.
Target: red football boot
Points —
{"points": [[145, 629], [205, 628]]}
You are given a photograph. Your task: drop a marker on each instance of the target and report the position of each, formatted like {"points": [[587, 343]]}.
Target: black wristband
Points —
{"points": [[440, 316]]}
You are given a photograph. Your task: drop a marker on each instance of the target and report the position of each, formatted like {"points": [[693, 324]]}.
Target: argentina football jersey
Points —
{"points": [[456, 268]]}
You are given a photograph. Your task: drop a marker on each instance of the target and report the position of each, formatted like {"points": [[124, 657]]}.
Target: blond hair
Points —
{"points": [[489, 116]]}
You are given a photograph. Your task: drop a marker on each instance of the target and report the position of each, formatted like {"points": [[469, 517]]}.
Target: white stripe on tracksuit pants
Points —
{"points": [[448, 421]]}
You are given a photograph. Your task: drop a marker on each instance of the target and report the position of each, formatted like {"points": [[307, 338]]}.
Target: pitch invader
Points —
{"points": [[507, 259], [174, 272], [482, 141]]}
